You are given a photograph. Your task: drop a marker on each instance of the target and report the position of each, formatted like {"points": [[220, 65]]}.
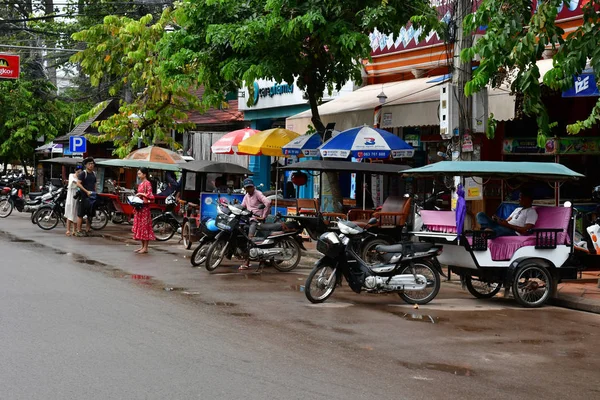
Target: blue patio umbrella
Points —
{"points": [[366, 142], [305, 145]]}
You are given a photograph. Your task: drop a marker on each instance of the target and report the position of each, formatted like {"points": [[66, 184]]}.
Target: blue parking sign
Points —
{"points": [[77, 144]]}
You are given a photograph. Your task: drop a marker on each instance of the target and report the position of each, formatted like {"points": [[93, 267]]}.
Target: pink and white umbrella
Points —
{"points": [[228, 143]]}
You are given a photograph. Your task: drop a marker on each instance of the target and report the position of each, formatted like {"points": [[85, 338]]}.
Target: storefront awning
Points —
{"points": [[413, 102]]}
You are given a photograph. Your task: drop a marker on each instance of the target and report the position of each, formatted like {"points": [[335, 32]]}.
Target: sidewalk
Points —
{"points": [[581, 294]]}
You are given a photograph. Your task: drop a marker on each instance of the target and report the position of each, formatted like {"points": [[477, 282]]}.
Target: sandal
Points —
{"points": [[68, 233], [78, 234], [243, 267]]}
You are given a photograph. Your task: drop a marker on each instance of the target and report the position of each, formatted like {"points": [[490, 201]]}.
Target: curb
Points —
{"points": [[576, 303]]}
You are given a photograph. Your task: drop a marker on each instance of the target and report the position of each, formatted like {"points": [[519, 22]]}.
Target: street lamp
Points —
{"points": [[377, 115]]}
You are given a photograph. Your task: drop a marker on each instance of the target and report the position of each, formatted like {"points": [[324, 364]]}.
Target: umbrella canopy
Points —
{"points": [[125, 163], [304, 145], [215, 167], [547, 171], [366, 142], [64, 160], [154, 154], [267, 143], [228, 144]]}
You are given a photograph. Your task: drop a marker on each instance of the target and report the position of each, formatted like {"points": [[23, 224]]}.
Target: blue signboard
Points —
{"points": [[77, 144], [584, 86], [208, 203]]}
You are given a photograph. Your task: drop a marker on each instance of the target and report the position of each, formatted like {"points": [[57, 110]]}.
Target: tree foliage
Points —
{"points": [[127, 50], [320, 44], [516, 37], [30, 110]]}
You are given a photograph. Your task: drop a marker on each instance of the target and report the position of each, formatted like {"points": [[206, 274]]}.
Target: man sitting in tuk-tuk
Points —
{"points": [[520, 222]]}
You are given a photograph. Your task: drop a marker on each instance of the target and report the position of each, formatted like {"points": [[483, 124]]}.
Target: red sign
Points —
{"points": [[9, 66]]}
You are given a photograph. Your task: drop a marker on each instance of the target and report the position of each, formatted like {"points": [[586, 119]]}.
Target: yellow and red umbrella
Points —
{"points": [[228, 144], [267, 143]]}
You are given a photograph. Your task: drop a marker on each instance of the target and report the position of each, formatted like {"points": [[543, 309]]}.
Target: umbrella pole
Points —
{"points": [[276, 183], [364, 190], [321, 191]]}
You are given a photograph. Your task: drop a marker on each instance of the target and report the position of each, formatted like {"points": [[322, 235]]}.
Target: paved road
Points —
{"points": [[88, 319]]}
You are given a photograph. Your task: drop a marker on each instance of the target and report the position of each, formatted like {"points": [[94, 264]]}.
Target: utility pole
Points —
{"points": [[461, 75]]}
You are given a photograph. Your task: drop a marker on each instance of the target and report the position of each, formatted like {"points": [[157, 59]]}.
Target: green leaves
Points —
{"points": [[128, 52]]}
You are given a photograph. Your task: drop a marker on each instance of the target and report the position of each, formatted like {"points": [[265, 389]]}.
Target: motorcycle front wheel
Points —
{"points": [[47, 218], [186, 235], [432, 287], [199, 254], [216, 254], [288, 265], [320, 283], [163, 230], [6, 208]]}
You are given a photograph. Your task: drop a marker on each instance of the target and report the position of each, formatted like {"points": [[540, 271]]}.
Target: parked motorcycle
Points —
{"points": [[277, 243], [166, 224], [409, 269], [16, 199]]}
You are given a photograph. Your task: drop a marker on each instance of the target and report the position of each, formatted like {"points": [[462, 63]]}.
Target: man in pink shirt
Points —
{"points": [[252, 200]]}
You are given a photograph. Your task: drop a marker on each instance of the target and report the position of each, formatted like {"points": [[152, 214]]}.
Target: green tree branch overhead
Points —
{"points": [[126, 51], [516, 37]]}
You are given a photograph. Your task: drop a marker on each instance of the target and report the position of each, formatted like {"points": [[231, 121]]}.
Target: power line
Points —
{"points": [[38, 48]]}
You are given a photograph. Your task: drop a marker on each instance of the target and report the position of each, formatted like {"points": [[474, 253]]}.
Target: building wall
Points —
{"points": [[200, 146]]}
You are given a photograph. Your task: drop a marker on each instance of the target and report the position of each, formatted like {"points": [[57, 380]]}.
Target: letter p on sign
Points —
{"points": [[77, 144]]}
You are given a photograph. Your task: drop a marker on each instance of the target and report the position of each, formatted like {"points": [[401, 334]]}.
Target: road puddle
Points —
{"points": [[416, 317], [220, 304], [295, 288], [535, 342], [241, 314], [19, 240], [447, 368]]}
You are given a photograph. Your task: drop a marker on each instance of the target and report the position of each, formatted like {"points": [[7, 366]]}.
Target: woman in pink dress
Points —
{"points": [[142, 223]]}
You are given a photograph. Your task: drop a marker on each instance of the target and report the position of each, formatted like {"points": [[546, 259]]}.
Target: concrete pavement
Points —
{"points": [[87, 318]]}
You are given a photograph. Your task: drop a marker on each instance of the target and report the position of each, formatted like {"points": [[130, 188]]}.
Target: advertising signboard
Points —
{"points": [[9, 66]]}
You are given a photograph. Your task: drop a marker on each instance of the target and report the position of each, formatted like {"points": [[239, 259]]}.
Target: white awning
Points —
{"points": [[413, 102]]}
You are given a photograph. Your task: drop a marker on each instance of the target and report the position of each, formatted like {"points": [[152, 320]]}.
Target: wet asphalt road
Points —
{"points": [[85, 318]]}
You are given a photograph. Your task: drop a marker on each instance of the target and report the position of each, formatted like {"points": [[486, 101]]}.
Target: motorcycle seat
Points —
{"points": [[270, 227], [34, 195], [397, 248]]}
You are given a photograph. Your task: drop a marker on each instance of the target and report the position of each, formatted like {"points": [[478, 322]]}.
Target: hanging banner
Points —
{"points": [[561, 146], [9, 66]]}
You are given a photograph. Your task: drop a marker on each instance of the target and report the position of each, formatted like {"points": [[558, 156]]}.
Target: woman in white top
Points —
{"points": [[71, 202]]}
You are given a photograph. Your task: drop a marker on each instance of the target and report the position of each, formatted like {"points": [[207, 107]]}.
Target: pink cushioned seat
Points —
{"points": [[504, 247]]}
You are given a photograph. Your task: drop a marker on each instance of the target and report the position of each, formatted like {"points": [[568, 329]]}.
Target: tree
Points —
{"points": [[319, 44], [29, 110], [126, 49], [515, 38]]}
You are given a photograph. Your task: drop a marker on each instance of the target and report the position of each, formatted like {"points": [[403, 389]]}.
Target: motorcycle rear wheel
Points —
{"points": [[99, 220], [317, 289], [433, 281], [163, 230], [216, 254], [291, 264], [47, 219], [6, 208], [481, 289]]}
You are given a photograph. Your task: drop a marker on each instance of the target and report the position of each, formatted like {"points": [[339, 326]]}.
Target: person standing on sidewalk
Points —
{"points": [[71, 202], [142, 223], [87, 193]]}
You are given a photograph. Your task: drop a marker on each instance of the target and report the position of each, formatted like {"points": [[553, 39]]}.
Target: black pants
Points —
{"points": [[84, 207]]}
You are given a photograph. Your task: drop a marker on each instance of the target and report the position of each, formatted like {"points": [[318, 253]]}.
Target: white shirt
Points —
{"points": [[523, 216]]}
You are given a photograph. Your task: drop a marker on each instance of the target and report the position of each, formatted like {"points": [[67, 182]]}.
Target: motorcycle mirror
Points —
{"points": [[373, 221]]}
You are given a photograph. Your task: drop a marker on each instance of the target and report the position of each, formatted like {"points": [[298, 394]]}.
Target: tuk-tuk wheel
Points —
{"points": [[481, 289], [532, 285], [186, 235]]}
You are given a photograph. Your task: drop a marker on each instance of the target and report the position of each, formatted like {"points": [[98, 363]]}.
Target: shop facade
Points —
{"points": [[267, 106]]}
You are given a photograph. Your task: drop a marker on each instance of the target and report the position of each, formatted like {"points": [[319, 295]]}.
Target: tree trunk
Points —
{"points": [[332, 177]]}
